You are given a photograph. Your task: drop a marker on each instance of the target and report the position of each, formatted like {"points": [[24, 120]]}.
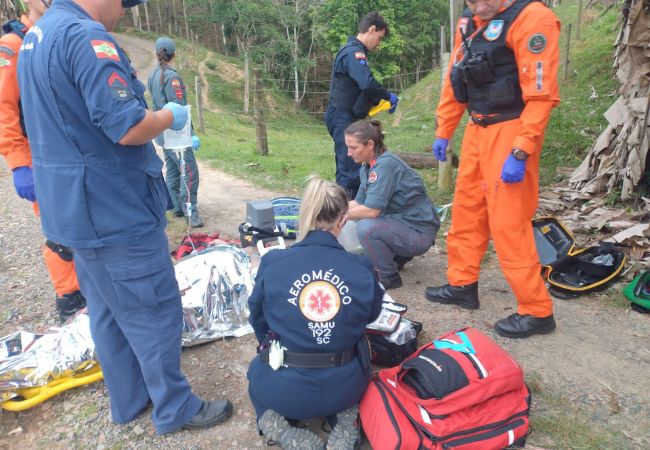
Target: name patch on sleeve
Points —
{"points": [[119, 88]]}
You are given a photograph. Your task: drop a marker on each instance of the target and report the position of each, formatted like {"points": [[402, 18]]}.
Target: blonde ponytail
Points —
{"points": [[323, 205]]}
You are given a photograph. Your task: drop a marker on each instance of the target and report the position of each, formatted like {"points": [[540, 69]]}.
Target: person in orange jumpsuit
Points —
{"points": [[15, 148], [503, 71]]}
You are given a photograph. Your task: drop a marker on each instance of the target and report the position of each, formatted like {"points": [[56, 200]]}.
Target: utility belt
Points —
{"points": [[313, 360], [484, 121]]}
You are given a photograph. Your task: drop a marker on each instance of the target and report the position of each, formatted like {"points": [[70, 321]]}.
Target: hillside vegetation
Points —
{"points": [[299, 144]]}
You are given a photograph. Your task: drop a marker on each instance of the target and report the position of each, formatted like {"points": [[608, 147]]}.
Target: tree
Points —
{"points": [[252, 24], [295, 17], [413, 24]]}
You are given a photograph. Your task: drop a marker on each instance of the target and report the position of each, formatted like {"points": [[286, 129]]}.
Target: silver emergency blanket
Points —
{"points": [[30, 360], [215, 285]]}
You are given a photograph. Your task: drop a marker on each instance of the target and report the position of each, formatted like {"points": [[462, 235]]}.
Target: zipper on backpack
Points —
{"points": [[485, 436]]}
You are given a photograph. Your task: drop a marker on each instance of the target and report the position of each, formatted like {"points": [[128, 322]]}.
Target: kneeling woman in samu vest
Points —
{"points": [[314, 299]]}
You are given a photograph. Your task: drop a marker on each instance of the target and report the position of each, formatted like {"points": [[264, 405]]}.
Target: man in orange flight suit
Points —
{"points": [[504, 73], [15, 148]]}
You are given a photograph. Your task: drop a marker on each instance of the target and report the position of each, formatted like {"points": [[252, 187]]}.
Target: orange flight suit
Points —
{"points": [[15, 148], [483, 204]]}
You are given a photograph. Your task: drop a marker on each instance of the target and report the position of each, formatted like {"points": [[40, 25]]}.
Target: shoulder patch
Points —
{"points": [[105, 50], [493, 30], [372, 177], [359, 55], [176, 83], [537, 43], [119, 88], [4, 62], [7, 51]]}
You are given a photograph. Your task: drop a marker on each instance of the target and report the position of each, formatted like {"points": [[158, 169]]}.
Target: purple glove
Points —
{"points": [[513, 170], [394, 100], [24, 183], [439, 149]]}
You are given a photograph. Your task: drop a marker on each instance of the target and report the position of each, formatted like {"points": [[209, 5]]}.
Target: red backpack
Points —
{"points": [[460, 391]]}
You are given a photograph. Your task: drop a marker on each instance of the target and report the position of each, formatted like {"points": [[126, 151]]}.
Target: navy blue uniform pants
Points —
{"points": [[305, 393], [384, 238], [136, 322], [178, 189], [347, 171]]}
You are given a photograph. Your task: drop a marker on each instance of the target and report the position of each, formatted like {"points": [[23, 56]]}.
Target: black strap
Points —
{"points": [[313, 360], [491, 120], [63, 252]]}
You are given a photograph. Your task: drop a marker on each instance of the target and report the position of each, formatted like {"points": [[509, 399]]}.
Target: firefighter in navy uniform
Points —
{"points": [[353, 91], [14, 146], [313, 299], [504, 74], [101, 192]]}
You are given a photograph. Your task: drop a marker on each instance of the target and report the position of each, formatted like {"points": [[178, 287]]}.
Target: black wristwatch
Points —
{"points": [[519, 154]]}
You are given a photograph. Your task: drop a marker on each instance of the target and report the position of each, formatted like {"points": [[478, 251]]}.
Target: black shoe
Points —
{"points": [[521, 326], [401, 261], [211, 413], [463, 296], [69, 304], [178, 213], [391, 282]]}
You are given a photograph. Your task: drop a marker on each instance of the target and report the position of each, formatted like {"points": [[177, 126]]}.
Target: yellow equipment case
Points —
{"points": [[570, 270]]}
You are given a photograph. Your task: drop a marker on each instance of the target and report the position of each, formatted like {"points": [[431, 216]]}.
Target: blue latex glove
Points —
{"points": [[394, 100], [196, 143], [513, 170], [24, 183], [439, 149], [180, 115]]}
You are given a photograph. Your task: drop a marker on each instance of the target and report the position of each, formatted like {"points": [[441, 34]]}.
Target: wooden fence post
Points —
{"points": [[260, 124], [579, 19], [566, 52], [199, 103], [445, 168]]}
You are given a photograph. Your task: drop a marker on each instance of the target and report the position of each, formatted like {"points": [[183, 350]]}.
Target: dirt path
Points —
{"points": [[205, 93], [597, 361]]}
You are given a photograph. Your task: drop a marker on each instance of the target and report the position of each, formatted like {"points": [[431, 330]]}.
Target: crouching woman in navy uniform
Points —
{"points": [[397, 220], [314, 299]]}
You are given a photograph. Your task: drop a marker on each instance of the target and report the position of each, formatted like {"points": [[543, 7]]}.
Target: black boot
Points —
{"points": [[464, 296], [393, 281], [521, 326], [211, 413], [69, 304], [401, 261]]}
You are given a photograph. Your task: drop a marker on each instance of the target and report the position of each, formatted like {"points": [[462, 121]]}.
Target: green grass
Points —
{"points": [[559, 424]]}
